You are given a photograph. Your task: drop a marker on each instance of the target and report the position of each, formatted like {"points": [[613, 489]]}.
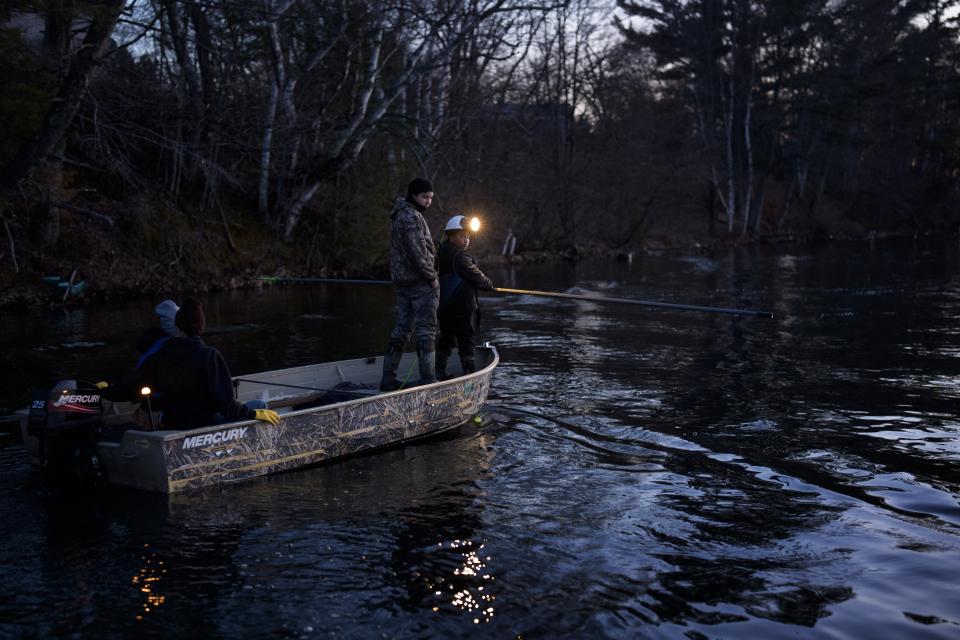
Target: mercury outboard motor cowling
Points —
{"points": [[67, 420]]}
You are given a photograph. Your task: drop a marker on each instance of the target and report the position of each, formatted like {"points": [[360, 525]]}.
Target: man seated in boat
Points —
{"points": [[459, 311], [153, 339], [147, 345], [190, 382]]}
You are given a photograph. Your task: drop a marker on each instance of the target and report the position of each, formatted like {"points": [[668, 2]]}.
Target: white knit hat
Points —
{"points": [[167, 310]]}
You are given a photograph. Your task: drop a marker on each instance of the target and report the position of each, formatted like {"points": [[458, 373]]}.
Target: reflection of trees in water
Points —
{"points": [[667, 535], [438, 559], [714, 582], [730, 538], [736, 535], [791, 395], [744, 542]]}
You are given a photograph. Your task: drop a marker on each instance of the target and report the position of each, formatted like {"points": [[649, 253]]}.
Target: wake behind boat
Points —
{"points": [[328, 411]]}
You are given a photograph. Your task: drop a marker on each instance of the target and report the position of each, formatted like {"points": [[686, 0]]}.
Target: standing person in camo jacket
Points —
{"points": [[414, 274]]}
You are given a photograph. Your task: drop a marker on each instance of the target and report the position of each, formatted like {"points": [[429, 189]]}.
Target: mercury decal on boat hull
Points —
{"points": [[214, 438]]}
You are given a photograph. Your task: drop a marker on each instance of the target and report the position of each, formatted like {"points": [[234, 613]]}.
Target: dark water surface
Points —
{"points": [[637, 474]]}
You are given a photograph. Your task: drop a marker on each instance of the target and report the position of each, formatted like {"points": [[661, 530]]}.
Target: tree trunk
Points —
{"points": [[266, 144], [206, 92], [189, 98], [756, 215], [712, 208], [50, 216], [748, 155], [64, 106], [279, 78], [281, 131], [731, 169], [819, 193], [787, 200], [13, 246], [204, 48], [296, 209]]}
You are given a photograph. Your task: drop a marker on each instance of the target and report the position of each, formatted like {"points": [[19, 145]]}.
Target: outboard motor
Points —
{"points": [[67, 421]]}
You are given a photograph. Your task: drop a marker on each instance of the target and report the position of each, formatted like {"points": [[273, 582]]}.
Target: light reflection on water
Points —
{"points": [[638, 473], [147, 580]]}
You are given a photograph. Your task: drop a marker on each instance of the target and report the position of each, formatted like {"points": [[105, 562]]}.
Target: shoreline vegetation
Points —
{"points": [[113, 264], [179, 146]]}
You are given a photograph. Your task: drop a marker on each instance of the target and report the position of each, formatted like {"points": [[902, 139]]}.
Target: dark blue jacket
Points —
{"points": [[191, 384], [149, 343]]}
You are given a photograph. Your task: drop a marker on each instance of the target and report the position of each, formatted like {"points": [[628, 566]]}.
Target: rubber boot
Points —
{"points": [[469, 364], [428, 362], [442, 365], [390, 363]]}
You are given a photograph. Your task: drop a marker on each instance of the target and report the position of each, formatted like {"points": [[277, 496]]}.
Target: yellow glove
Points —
{"points": [[268, 415], [102, 385]]}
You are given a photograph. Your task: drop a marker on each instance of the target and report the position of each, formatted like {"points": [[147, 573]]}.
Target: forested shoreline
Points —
{"points": [[192, 144]]}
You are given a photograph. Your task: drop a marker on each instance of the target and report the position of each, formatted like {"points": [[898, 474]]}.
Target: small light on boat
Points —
{"points": [[474, 224], [145, 391]]}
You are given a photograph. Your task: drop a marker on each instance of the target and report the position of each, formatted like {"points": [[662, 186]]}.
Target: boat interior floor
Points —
{"points": [[343, 392]]}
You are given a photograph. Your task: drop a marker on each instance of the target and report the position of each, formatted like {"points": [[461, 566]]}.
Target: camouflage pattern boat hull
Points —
{"points": [[174, 461]]}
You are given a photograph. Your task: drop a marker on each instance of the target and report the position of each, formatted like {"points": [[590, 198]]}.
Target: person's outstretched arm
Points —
{"points": [[467, 269]]}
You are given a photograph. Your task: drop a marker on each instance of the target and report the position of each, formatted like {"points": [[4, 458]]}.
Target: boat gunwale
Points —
{"points": [[168, 435]]}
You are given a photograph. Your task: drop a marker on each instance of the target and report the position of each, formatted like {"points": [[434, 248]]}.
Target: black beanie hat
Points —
{"points": [[190, 318], [418, 185]]}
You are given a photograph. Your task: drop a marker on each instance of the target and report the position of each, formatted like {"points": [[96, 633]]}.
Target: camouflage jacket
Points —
{"points": [[411, 246]]}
